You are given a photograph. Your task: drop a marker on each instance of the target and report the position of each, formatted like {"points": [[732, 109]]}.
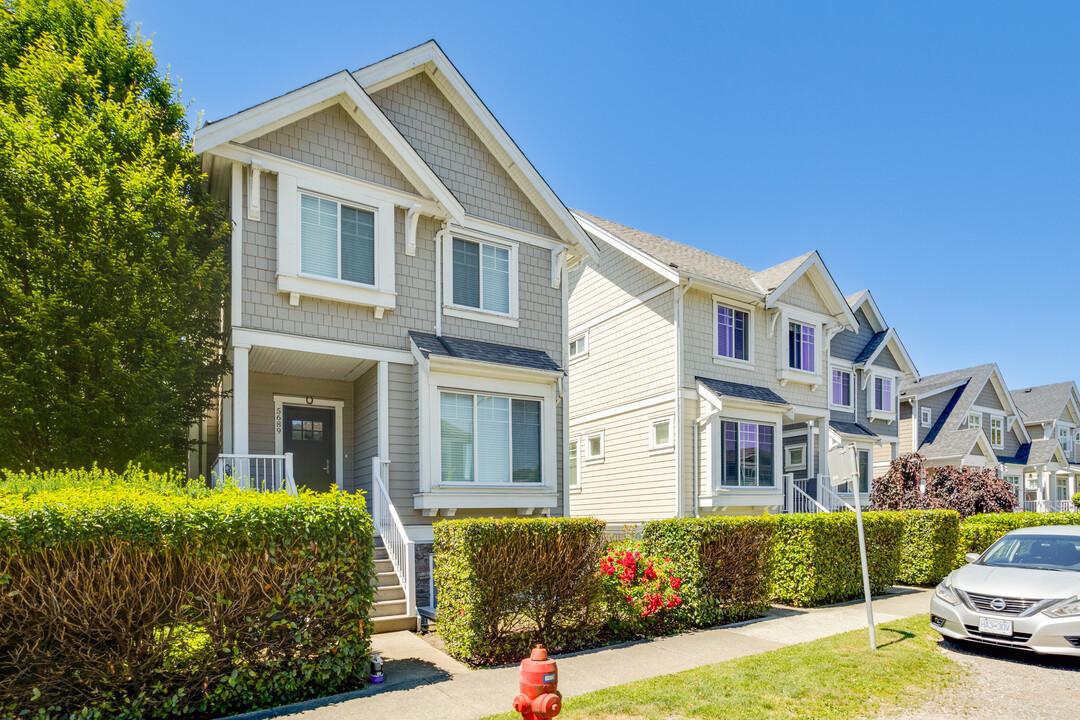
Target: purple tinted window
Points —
{"points": [[883, 394], [731, 333], [801, 347], [731, 453], [841, 388]]}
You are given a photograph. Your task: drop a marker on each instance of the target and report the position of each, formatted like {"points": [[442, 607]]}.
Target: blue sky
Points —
{"points": [[929, 151]]}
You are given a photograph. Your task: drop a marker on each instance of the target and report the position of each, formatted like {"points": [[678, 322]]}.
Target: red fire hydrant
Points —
{"points": [[538, 681]]}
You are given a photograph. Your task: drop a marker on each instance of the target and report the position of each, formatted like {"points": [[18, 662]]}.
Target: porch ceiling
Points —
{"points": [[306, 364]]}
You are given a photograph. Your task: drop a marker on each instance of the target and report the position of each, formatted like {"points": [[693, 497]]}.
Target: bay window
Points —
{"points": [[481, 275], [746, 454], [732, 333], [801, 347], [841, 388], [337, 241], [489, 439]]}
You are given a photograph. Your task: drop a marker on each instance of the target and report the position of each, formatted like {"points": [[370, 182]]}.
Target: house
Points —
{"points": [[698, 383], [968, 417], [398, 321], [1051, 412], [866, 367]]}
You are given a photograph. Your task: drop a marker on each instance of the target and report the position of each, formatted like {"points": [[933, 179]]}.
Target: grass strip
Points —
{"points": [[836, 677]]}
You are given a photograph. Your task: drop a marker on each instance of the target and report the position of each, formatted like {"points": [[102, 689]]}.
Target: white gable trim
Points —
{"points": [[1004, 397], [340, 88], [877, 320], [824, 284], [430, 58], [668, 273], [892, 341]]}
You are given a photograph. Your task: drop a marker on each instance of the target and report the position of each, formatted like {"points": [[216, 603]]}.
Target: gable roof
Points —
{"points": [[1044, 403], [429, 57], [723, 388], [477, 351], [888, 339], [673, 259], [969, 384], [864, 298], [956, 444], [339, 88], [850, 428]]}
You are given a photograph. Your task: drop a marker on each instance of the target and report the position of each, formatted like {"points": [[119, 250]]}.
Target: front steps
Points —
{"points": [[390, 608]]}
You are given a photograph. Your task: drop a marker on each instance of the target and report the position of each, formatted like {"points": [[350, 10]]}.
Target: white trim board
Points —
{"points": [[247, 337], [621, 409]]}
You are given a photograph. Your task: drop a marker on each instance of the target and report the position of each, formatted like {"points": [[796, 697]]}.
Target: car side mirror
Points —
{"points": [[972, 557]]}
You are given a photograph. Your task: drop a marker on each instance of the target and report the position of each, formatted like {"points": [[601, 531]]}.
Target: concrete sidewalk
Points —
{"points": [[422, 682]]}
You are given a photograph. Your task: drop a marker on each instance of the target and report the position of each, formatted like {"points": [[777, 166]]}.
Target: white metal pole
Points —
{"points": [[865, 569]]}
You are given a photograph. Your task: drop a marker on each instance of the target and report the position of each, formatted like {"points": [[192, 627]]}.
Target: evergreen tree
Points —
{"points": [[112, 255]]}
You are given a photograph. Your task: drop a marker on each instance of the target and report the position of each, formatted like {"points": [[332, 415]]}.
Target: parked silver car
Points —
{"points": [[1023, 592]]}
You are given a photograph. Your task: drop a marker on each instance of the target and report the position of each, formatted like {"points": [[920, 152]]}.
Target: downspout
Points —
{"points": [[680, 460], [564, 386]]}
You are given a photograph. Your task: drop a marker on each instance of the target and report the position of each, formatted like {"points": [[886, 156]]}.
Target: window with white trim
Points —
{"points": [[974, 420], [579, 346], [732, 333], [594, 447], [660, 436], [573, 474], [795, 456], [801, 347], [481, 276], [841, 388], [489, 439], [927, 417], [997, 431], [883, 394], [1065, 438], [337, 241], [746, 454], [863, 463], [1014, 480]]}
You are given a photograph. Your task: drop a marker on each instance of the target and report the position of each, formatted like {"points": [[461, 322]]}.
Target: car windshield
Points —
{"points": [[1042, 552]]}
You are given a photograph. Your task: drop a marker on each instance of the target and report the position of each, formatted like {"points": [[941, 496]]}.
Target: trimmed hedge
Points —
{"points": [[506, 584], [723, 563], [121, 602], [979, 532], [927, 546], [816, 556]]}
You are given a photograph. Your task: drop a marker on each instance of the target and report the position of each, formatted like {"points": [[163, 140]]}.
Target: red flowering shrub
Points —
{"points": [[638, 591]]}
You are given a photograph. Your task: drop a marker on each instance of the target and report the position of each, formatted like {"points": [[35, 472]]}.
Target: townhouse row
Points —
{"points": [[414, 314]]}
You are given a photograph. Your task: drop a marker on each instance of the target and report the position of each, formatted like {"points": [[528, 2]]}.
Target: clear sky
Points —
{"points": [[930, 151]]}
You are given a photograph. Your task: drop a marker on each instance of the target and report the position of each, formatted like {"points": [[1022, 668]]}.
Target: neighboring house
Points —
{"points": [[866, 367], [398, 321], [1051, 412], [968, 417], [685, 369]]}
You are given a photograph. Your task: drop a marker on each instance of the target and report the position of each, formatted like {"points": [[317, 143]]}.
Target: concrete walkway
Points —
{"points": [[422, 682]]}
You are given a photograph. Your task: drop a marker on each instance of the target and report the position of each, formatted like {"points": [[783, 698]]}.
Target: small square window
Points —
{"points": [[481, 276], [595, 447], [974, 420], [926, 417], [579, 347], [795, 457], [660, 434]]}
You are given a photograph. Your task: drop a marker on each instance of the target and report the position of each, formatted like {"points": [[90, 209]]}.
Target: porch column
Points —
{"points": [[1020, 487], [383, 404], [240, 400], [226, 415], [823, 446], [811, 459], [1072, 486]]}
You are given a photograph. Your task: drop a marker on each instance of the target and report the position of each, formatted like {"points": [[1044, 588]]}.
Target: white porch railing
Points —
{"points": [[1045, 506], [400, 549], [267, 473], [797, 500], [829, 498]]}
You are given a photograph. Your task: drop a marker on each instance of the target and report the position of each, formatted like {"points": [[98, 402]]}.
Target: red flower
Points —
{"points": [[676, 583]]}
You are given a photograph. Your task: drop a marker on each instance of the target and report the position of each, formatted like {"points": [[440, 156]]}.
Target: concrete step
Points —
{"points": [[384, 566], [386, 608], [381, 554], [393, 623], [395, 592], [385, 579]]}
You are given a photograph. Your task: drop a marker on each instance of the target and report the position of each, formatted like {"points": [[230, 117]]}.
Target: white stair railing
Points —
{"points": [[828, 497], [266, 473], [400, 549], [798, 501]]}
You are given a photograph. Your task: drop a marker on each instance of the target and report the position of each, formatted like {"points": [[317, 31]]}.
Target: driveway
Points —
{"points": [[1003, 684]]}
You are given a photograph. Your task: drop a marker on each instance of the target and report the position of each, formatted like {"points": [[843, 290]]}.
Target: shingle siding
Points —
{"points": [[988, 398], [445, 141], [847, 344], [803, 294], [886, 359], [365, 431]]}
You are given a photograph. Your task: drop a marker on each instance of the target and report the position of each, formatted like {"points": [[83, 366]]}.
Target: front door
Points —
{"points": [[309, 436]]}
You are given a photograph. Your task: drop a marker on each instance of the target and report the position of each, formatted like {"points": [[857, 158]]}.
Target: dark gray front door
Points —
{"points": [[309, 436]]}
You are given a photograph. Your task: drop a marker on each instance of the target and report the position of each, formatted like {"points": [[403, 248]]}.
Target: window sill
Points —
{"points": [[799, 376], [732, 362], [338, 292], [485, 498], [594, 461], [879, 415], [481, 316], [842, 408], [579, 356], [662, 450]]}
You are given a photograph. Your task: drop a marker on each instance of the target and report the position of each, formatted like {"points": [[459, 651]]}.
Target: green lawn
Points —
{"points": [[838, 677]]}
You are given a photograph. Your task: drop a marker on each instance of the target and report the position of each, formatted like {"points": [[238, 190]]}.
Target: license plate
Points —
{"points": [[993, 626]]}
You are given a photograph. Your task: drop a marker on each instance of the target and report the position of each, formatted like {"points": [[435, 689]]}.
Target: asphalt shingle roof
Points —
{"points": [[850, 428], [950, 444], [483, 352], [871, 346], [926, 385], [746, 392], [1044, 403], [1042, 451], [1021, 457]]}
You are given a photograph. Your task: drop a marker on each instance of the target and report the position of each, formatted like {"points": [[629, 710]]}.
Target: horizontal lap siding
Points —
{"points": [[630, 485], [366, 428], [601, 287], [404, 440]]}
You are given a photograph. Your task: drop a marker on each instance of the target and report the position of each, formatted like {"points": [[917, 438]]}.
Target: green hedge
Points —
{"points": [[121, 602], [506, 584], [723, 563], [816, 556], [928, 546], [979, 532]]}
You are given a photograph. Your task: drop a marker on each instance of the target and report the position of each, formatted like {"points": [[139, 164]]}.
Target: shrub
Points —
{"points": [[816, 556], [134, 477], [507, 584], [639, 593], [928, 546], [981, 531], [968, 490], [723, 563], [900, 488], [124, 603]]}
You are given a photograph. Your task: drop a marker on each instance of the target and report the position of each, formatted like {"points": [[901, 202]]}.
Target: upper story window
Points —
{"points": [[841, 388], [926, 416], [489, 439], [1065, 438], [883, 395], [336, 240], [974, 420], [579, 347], [732, 333], [481, 276], [801, 347], [660, 437], [573, 477], [997, 431], [594, 447], [746, 455]]}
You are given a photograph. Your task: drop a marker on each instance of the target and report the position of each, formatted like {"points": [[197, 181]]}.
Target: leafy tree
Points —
{"points": [[112, 261], [967, 490], [900, 488]]}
